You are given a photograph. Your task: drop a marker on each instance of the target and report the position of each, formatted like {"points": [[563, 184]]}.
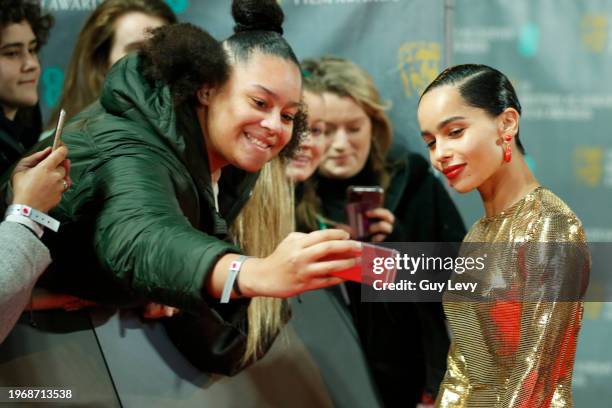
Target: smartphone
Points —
{"points": [[57, 139], [367, 271], [360, 200]]}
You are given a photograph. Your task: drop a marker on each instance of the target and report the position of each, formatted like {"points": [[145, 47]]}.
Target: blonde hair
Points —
{"points": [[345, 78], [90, 59], [266, 219]]}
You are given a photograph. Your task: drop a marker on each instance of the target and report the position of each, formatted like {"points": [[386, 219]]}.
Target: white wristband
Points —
{"points": [[231, 277], [41, 218]]}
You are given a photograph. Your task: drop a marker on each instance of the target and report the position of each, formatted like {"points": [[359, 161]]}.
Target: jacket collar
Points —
{"points": [[9, 134], [235, 185]]}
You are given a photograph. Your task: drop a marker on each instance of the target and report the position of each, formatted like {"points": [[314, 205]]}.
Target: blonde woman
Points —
{"points": [[115, 28]]}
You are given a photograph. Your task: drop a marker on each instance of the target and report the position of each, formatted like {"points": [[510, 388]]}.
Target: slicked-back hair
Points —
{"points": [[482, 87]]}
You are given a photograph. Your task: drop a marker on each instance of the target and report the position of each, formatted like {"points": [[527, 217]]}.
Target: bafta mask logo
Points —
{"points": [[588, 164], [419, 64], [594, 32], [52, 79]]}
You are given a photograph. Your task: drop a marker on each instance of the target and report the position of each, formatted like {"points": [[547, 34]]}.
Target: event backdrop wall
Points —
{"points": [[398, 41], [555, 51]]}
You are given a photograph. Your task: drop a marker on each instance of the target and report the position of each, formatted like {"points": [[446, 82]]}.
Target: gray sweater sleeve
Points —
{"points": [[22, 259]]}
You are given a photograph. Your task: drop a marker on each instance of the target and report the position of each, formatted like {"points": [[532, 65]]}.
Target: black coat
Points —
{"points": [[18, 135], [406, 344]]}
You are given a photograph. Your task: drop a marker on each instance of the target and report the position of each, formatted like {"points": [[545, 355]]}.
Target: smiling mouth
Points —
{"points": [[301, 160], [453, 171], [257, 142], [340, 158]]}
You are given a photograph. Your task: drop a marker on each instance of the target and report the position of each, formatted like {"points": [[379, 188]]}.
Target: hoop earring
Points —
{"points": [[507, 149]]}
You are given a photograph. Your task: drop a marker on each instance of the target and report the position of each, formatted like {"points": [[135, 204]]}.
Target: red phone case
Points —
{"points": [[365, 272]]}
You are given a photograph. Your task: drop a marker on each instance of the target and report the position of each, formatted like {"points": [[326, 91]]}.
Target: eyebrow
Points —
{"points": [[355, 120], [18, 44], [275, 96], [443, 123]]}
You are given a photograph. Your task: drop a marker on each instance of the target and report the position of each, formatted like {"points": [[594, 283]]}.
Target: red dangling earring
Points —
{"points": [[507, 149]]}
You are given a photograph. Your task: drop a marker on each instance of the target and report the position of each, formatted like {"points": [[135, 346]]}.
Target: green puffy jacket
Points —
{"points": [[139, 223]]}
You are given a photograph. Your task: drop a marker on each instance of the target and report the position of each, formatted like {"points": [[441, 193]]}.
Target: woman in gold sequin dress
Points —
{"points": [[517, 348]]}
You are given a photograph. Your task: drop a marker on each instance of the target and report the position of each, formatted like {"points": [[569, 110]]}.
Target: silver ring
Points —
{"points": [[66, 186]]}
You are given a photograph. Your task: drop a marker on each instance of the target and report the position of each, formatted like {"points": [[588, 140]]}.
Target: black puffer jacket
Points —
{"points": [[18, 135]]}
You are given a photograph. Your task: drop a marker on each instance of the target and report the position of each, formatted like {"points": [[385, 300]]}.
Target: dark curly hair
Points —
{"points": [[16, 11], [300, 128], [184, 57]]}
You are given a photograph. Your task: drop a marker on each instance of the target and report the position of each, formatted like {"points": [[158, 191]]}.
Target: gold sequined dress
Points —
{"points": [[518, 350]]}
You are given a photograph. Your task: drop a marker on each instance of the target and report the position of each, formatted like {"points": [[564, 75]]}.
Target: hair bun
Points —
{"points": [[257, 15], [183, 57]]}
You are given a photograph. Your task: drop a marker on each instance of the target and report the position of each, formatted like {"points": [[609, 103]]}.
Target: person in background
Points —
{"points": [[164, 161], [315, 143], [115, 28], [38, 182], [405, 343], [517, 347], [312, 150], [24, 29]]}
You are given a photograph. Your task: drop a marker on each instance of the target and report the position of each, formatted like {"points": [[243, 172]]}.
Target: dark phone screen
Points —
{"points": [[360, 200]]}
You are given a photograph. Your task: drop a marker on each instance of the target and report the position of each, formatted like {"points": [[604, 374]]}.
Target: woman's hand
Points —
{"points": [[301, 262], [40, 179], [157, 311], [384, 226], [43, 299]]}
